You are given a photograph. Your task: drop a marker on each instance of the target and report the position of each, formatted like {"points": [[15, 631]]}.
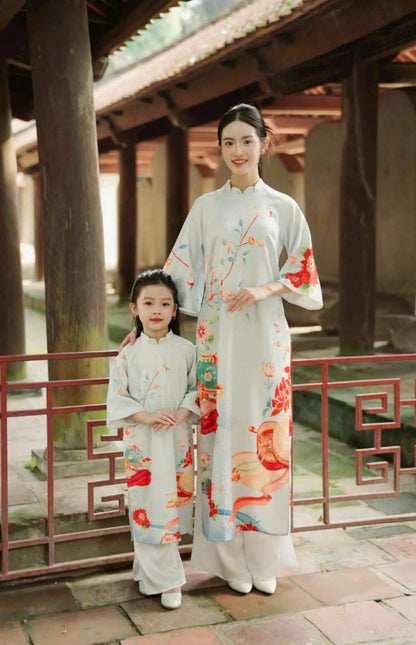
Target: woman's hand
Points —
{"points": [[246, 296], [130, 338]]}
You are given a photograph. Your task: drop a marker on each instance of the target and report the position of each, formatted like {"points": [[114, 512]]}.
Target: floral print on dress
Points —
{"points": [[307, 275], [233, 239], [159, 465]]}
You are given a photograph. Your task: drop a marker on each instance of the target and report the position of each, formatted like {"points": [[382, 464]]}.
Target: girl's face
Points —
{"points": [[155, 307], [241, 148]]}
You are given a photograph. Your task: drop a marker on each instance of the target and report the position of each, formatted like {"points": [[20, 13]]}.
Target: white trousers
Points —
{"points": [[249, 554], [158, 566]]}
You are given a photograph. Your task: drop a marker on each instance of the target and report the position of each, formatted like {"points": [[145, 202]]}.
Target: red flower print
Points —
{"points": [[170, 537], [298, 279], [246, 527], [209, 423], [140, 478], [308, 264], [281, 402], [202, 331], [168, 262], [251, 240], [140, 517], [187, 460]]}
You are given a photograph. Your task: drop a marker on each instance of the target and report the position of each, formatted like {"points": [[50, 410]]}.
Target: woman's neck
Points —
{"points": [[243, 182]]}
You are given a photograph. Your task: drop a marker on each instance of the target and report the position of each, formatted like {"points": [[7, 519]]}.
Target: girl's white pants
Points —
{"points": [[158, 566]]}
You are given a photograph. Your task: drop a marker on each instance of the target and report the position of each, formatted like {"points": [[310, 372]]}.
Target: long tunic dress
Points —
{"points": [[233, 239], [148, 376]]}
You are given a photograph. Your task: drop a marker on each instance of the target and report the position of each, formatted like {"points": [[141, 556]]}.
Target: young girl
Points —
{"points": [[152, 395]]}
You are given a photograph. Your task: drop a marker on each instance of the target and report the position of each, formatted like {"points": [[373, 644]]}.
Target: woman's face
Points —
{"points": [[241, 148]]}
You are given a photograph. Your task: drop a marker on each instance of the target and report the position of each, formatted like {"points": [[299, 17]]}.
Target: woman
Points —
{"points": [[226, 265]]}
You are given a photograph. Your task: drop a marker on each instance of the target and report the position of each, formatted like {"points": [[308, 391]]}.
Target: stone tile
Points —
{"points": [[279, 630], [149, 616], [405, 606], [190, 636], [348, 585], [400, 546], [88, 627], [20, 492], [361, 622], [11, 634], [106, 589], [341, 551], [25, 602], [403, 572], [405, 503], [288, 597], [378, 531]]}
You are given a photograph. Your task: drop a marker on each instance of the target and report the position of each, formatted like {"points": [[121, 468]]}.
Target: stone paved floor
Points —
{"points": [[355, 585]]}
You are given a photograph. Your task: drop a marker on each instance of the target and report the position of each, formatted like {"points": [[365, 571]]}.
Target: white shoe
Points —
{"points": [[240, 586], [171, 600], [266, 586]]}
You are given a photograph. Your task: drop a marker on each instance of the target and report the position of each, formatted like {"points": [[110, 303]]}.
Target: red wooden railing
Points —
{"points": [[387, 415]]}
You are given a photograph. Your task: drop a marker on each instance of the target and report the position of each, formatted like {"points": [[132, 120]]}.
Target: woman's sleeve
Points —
{"points": [[186, 262], [299, 272], [120, 404], [190, 400]]}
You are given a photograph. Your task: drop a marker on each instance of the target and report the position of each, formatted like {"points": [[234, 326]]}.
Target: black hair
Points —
{"points": [[251, 115], [151, 278]]}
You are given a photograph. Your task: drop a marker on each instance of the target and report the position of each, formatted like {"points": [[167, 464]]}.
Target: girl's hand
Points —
{"points": [[181, 414], [160, 418], [246, 296], [130, 338]]}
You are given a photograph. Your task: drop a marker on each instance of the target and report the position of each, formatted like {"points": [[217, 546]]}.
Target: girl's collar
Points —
{"points": [[164, 339], [247, 191]]}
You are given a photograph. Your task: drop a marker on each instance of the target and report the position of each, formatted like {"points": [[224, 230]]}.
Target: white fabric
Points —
{"points": [[158, 566], [147, 376], [233, 239], [248, 554]]}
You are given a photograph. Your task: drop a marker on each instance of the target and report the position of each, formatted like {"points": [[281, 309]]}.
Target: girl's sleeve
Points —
{"points": [[120, 404], [299, 272], [186, 262], [190, 400]]}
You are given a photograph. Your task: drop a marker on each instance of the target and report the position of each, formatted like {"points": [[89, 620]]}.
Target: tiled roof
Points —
{"points": [[195, 49]]}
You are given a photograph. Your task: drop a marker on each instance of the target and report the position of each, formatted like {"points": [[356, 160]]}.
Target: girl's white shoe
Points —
{"points": [[240, 586], [171, 600], [266, 586]]}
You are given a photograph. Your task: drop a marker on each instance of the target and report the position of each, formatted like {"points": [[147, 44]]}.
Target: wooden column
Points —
{"points": [[72, 222], [357, 241], [38, 236], [12, 331], [177, 183], [127, 221]]}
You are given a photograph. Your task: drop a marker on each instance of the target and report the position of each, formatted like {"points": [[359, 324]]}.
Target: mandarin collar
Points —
{"points": [[153, 341], [247, 191]]}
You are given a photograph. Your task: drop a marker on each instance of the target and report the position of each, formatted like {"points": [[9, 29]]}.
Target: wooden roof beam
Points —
{"points": [[398, 74]]}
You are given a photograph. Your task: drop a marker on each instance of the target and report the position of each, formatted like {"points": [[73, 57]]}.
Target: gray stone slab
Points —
{"points": [[196, 610], [106, 589], [405, 503], [23, 602]]}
